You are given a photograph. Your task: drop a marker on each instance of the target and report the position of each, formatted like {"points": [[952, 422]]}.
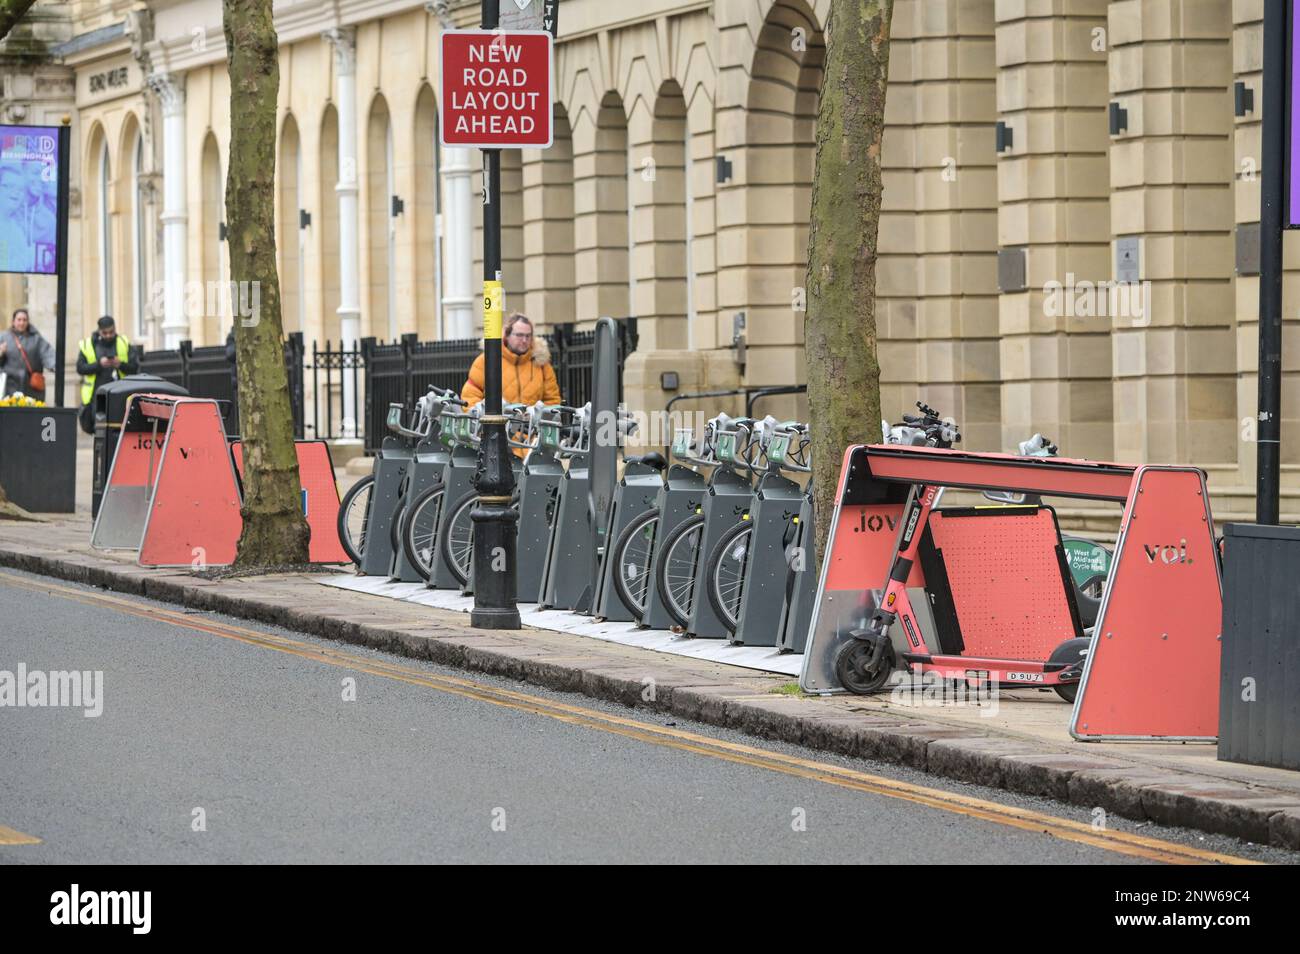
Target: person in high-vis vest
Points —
{"points": [[102, 358]]}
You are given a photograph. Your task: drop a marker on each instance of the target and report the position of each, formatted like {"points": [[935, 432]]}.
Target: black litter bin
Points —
{"points": [[110, 408], [1259, 675]]}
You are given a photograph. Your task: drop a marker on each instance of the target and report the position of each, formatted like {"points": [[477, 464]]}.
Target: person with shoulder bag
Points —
{"points": [[25, 356]]}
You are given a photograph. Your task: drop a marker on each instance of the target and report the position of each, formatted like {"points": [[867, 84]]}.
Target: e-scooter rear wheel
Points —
{"points": [[1074, 652], [850, 666]]}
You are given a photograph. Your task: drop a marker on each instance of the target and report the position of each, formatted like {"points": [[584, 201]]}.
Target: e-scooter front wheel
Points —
{"points": [[853, 663]]}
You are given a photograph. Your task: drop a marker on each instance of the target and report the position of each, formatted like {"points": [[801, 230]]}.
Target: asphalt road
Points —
{"points": [[425, 764]]}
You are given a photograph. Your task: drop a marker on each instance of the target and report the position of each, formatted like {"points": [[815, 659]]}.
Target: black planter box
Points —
{"points": [[38, 457], [1259, 676]]}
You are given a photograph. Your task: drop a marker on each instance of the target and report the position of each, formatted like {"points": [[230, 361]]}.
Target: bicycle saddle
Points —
{"points": [[653, 459]]}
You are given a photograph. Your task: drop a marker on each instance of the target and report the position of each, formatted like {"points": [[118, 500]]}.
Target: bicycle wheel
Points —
{"points": [[420, 528], [675, 568], [726, 576], [395, 525], [456, 537], [354, 517], [634, 561], [795, 558]]}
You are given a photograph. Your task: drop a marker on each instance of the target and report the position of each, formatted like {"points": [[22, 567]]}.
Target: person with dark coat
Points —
{"points": [[102, 358], [24, 352], [231, 359]]}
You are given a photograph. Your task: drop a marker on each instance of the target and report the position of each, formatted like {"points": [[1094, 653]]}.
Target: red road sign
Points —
{"points": [[496, 89]]}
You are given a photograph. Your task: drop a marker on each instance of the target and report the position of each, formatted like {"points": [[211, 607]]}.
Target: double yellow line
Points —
{"points": [[1126, 843]]}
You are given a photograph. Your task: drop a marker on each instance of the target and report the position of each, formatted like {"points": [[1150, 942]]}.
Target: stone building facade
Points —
{"points": [[1036, 153]]}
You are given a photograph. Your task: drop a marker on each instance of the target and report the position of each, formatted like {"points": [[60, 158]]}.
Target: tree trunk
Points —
{"points": [[840, 330], [275, 531]]}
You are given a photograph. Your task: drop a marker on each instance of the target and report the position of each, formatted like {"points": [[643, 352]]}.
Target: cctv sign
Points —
{"points": [[496, 89]]}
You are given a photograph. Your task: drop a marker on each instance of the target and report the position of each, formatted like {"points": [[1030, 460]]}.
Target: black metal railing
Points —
{"points": [[168, 365], [334, 405], [207, 372], [351, 387], [402, 370], [574, 354]]}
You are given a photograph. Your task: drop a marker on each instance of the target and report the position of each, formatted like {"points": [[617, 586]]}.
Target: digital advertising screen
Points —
{"points": [[29, 198]]}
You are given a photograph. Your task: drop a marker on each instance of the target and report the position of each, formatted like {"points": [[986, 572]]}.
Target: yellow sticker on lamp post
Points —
{"points": [[493, 301]]}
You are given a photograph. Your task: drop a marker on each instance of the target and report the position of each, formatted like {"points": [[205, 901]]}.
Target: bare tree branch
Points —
{"points": [[11, 11]]}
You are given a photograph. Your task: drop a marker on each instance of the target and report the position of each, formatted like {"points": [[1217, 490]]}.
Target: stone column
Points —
{"points": [[459, 292], [1175, 368], [170, 90], [1054, 226], [548, 229], [344, 41]]}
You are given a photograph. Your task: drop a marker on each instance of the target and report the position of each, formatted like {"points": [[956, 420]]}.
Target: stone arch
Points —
{"points": [[937, 303], [699, 87], [549, 278], [600, 199], [777, 172], [512, 228], [659, 227]]}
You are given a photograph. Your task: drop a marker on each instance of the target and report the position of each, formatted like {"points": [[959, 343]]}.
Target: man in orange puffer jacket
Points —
{"points": [[526, 372]]}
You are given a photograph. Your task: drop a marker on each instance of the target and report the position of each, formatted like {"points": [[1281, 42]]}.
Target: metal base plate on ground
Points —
{"points": [[764, 659]]}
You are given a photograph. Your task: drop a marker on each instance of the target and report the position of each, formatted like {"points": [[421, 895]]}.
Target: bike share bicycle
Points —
{"points": [[752, 570], [574, 558], [370, 511], [680, 496], [423, 484], [681, 570]]}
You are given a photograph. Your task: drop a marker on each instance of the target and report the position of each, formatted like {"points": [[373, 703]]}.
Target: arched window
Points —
{"points": [[291, 243], [380, 222], [329, 238], [426, 214], [391, 251], [214, 323], [139, 280], [105, 236]]}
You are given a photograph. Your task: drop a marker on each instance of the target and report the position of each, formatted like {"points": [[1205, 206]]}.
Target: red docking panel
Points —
{"points": [[136, 461], [1060, 476], [1153, 671], [194, 519], [864, 548], [320, 498], [998, 582]]}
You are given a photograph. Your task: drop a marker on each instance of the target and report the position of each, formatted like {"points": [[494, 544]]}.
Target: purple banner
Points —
{"points": [[29, 198], [1292, 185]]}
